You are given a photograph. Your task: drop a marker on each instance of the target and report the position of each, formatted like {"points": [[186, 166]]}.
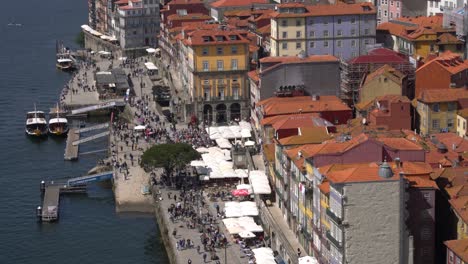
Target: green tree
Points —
{"points": [[80, 39], [171, 157]]}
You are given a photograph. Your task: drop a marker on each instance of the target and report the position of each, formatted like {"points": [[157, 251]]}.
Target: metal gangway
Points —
{"points": [[103, 176], [97, 107]]}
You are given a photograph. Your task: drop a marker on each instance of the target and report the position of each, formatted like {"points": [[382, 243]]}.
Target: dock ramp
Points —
{"points": [[90, 138], [91, 128], [97, 107], [103, 176]]}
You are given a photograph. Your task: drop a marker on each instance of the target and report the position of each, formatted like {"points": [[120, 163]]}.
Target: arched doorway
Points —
{"points": [[235, 112], [221, 113], [207, 114]]}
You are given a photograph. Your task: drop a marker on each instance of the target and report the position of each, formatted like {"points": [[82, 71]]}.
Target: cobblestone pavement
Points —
{"points": [[233, 250]]}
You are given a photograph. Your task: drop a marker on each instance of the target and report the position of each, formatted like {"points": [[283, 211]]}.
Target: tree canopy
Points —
{"points": [[169, 156]]}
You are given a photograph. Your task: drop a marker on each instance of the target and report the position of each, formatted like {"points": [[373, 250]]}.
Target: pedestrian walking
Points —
{"points": [[198, 249], [204, 257], [189, 261]]}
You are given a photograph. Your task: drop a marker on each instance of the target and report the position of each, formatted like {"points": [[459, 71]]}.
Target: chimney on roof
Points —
{"points": [[315, 97], [398, 162]]}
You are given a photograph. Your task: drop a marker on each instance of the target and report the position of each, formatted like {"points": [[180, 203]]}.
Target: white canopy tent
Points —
{"points": [[139, 127], [308, 260], [150, 66], [223, 143], [264, 255], [243, 130], [246, 234], [237, 225], [240, 209], [259, 182], [151, 50]]}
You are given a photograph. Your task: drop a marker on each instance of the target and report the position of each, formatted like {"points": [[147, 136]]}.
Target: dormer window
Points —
{"points": [[233, 37], [206, 39], [219, 38]]}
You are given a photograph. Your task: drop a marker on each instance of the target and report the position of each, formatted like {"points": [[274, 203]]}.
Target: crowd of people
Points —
{"points": [[189, 210]]}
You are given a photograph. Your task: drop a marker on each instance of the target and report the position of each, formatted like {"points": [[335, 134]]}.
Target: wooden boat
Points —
{"points": [[58, 124], [36, 124]]}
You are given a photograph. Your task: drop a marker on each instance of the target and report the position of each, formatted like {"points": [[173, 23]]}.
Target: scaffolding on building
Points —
{"points": [[352, 74]]}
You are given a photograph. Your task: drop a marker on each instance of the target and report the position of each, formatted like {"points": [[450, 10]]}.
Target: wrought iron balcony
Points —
{"points": [[332, 216], [335, 242]]}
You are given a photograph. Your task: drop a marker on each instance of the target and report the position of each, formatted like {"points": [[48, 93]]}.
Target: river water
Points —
{"points": [[89, 230]]}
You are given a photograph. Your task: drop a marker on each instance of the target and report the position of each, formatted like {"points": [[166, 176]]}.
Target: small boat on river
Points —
{"points": [[36, 124], [58, 124]]}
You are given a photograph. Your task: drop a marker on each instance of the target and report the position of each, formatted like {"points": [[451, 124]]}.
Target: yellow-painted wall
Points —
{"points": [[220, 78], [462, 124], [291, 28], [422, 45], [378, 87], [427, 115]]}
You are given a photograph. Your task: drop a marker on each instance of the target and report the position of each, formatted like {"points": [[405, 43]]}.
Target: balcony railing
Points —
{"points": [[220, 69], [335, 218], [335, 242]]}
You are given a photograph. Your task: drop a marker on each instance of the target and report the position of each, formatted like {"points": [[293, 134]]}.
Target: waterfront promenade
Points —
{"points": [[126, 147], [233, 250]]}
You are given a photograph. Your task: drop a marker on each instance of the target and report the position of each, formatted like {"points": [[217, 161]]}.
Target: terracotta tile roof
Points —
{"points": [[447, 38], [253, 75], [454, 176], [457, 191], [400, 143], [460, 206], [453, 142], [451, 62], [180, 2], [387, 71], [412, 28], [265, 30], [303, 104], [237, 13], [230, 3], [301, 120], [417, 173], [269, 152], [358, 172], [325, 187], [365, 105], [443, 95], [297, 156], [315, 135], [421, 182], [329, 10], [380, 55], [456, 146], [463, 113], [459, 247], [199, 37], [334, 147], [197, 16]]}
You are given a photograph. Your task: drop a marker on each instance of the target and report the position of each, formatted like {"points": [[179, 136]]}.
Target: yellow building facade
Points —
{"points": [[462, 120], [218, 62], [288, 36], [438, 116]]}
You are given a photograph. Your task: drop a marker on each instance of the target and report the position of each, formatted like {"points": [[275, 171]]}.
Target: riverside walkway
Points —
{"points": [[182, 256]]}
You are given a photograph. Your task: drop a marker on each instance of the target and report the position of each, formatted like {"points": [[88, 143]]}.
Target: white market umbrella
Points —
{"points": [[246, 234], [308, 260], [140, 127]]}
